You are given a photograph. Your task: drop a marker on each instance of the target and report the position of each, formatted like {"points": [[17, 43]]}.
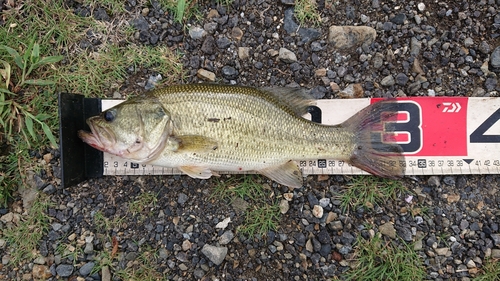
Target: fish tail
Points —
{"points": [[370, 152]]}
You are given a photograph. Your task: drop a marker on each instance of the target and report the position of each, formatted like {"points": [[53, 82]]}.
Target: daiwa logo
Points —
{"points": [[451, 107]]}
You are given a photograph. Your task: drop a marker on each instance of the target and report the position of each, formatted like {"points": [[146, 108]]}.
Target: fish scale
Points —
{"points": [[252, 132]]}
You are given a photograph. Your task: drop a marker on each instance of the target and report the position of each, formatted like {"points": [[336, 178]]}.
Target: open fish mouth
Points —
{"points": [[98, 138]]}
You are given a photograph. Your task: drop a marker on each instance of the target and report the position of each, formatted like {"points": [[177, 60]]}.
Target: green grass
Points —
{"points": [[490, 271], [368, 191], [23, 238], [245, 187], [262, 216], [142, 202], [40, 55], [306, 12], [181, 9], [260, 219], [378, 259]]}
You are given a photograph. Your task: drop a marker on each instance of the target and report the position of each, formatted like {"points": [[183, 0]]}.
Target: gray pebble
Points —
{"points": [[323, 236], [468, 42], [86, 268], [387, 26], [496, 239], [405, 234], [287, 56], [387, 81], [341, 71], [226, 237], [399, 18], [210, 27], [484, 47], [214, 254], [199, 273], [415, 46], [490, 84], [197, 32], [495, 58], [89, 248], [229, 72], [434, 181], [140, 23], [56, 226], [325, 250], [208, 46], [449, 180], [329, 270], [183, 198], [49, 189], [316, 46], [401, 79], [223, 43], [64, 270], [378, 60]]}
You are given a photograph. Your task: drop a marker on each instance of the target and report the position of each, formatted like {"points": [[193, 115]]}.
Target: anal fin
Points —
{"points": [[287, 174], [198, 172]]}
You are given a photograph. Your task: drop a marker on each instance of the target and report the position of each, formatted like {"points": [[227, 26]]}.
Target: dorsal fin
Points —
{"points": [[295, 99]]}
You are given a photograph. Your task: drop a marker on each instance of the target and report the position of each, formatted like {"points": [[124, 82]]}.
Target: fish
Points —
{"points": [[204, 129]]}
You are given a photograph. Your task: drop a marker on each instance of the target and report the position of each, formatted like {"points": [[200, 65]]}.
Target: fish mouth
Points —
{"points": [[98, 137]]}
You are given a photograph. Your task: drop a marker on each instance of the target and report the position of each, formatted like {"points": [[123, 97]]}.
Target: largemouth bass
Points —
{"points": [[204, 128]]}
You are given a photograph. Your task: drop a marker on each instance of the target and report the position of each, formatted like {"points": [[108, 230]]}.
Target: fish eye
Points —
{"points": [[110, 115]]}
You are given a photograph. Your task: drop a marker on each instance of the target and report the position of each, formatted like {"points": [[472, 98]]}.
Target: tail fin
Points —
{"points": [[371, 153]]}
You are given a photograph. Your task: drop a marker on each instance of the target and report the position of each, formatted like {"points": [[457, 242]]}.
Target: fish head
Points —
{"points": [[136, 129]]}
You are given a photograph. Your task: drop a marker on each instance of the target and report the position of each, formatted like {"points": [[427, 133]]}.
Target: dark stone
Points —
{"points": [[318, 93], [49, 189], [325, 250], [223, 43], [101, 14], [64, 270], [300, 239], [208, 46], [490, 83], [182, 198], [399, 18], [387, 26], [323, 236], [229, 72], [86, 268], [140, 23], [153, 39], [405, 234], [401, 79]]}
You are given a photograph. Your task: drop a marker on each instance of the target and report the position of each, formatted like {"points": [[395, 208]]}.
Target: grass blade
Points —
{"points": [[35, 53], [6, 73], [49, 135], [15, 55], [181, 7], [39, 82], [29, 126], [51, 59]]}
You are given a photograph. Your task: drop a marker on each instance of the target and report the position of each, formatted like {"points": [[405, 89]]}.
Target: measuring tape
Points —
{"points": [[439, 135]]}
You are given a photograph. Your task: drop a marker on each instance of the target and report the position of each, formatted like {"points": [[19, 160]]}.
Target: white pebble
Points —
{"points": [[318, 211], [421, 6]]}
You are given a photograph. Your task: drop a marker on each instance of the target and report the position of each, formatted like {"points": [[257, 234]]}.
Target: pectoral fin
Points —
{"points": [[191, 143], [287, 174], [197, 172]]}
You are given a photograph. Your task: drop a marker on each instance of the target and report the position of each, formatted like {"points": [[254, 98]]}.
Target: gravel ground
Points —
{"points": [[440, 48]]}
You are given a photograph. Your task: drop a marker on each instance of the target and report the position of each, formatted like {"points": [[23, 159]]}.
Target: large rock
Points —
{"points": [[347, 37], [214, 254]]}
